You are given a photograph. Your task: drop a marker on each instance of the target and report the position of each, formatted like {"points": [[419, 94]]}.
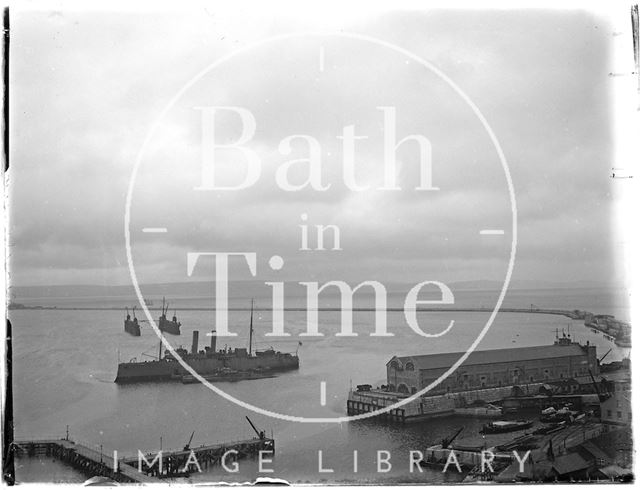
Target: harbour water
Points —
{"points": [[65, 363]]}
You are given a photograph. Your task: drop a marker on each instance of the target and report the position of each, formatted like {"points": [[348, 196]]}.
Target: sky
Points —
{"points": [[88, 87]]}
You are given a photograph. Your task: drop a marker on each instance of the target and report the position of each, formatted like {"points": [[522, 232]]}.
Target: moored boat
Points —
{"points": [[132, 326], [500, 426], [173, 326], [562, 415]]}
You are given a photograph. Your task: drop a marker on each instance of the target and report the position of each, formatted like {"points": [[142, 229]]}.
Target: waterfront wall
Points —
{"points": [[360, 402]]}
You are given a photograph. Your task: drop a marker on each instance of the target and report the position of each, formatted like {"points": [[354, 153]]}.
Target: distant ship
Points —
{"points": [[173, 326], [132, 326], [222, 365]]}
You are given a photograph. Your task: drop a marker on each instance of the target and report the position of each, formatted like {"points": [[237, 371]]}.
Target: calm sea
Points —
{"points": [[65, 364]]}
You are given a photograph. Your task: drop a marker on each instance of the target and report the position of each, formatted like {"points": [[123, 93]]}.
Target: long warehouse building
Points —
{"points": [[493, 368]]}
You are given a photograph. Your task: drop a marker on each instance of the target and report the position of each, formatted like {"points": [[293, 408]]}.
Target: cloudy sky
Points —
{"points": [[86, 89]]}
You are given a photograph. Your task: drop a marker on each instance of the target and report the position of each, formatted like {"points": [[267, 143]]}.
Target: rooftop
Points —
{"points": [[439, 361], [570, 463]]}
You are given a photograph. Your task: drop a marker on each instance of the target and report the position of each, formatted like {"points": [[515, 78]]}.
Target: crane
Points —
{"points": [[260, 433], [605, 355], [188, 446], [601, 396], [446, 442]]}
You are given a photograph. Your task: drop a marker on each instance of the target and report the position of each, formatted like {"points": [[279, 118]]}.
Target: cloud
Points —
{"points": [[87, 87]]}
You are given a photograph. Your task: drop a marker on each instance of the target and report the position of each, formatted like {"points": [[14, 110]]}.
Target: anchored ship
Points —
{"points": [[214, 365], [132, 326], [173, 326]]}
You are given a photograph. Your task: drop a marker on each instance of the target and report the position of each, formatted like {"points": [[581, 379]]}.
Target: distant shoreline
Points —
{"points": [[573, 314]]}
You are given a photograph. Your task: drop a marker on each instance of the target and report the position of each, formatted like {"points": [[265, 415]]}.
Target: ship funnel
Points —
{"points": [[194, 342], [213, 341]]}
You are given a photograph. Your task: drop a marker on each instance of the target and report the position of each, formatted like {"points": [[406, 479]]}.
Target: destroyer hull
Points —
{"points": [[136, 372], [167, 370]]}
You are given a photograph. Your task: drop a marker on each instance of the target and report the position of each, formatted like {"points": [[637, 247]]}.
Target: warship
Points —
{"points": [[173, 326], [132, 326], [214, 365]]}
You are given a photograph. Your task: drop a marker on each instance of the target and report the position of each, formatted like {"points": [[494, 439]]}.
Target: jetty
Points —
{"points": [[82, 458], [146, 467], [184, 460]]}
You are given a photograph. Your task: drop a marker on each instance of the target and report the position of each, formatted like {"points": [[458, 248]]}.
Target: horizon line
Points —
{"points": [[461, 281]]}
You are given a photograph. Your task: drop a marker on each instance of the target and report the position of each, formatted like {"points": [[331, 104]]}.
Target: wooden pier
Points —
{"points": [[129, 470], [177, 462], [82, 458]]}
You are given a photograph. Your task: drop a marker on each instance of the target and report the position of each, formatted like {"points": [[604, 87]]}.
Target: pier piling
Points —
{"points": [[93, 463]]}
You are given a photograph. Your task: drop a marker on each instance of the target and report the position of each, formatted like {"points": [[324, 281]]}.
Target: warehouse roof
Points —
{"points": [[570, 463], [437, 361]]}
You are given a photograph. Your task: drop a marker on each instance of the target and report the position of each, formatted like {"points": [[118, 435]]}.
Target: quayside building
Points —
{"points": [[489, 375], [493, 368]]}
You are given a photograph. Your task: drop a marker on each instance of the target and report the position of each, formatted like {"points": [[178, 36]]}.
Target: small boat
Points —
{"points": [[479, 475], [500, 426], [562, 415]]}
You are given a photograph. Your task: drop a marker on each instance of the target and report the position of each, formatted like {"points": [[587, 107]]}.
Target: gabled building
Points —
{"points": [[616, 410], [493, 368]]}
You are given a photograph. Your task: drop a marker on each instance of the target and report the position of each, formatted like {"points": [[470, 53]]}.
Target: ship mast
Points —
{"points": [[251, 328]]}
